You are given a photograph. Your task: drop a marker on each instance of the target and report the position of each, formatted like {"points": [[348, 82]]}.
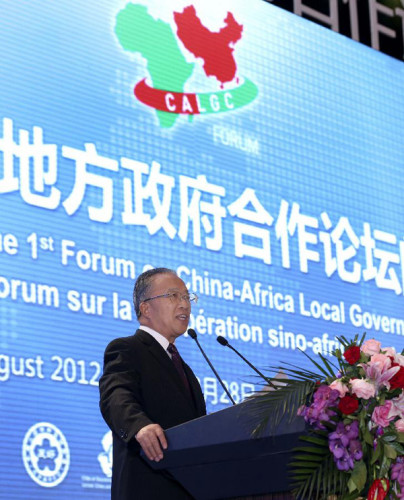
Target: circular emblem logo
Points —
{"points": [[45, 454], [105, 457]]}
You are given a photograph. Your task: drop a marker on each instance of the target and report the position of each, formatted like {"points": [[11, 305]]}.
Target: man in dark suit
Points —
{"points": [[146, 388]]}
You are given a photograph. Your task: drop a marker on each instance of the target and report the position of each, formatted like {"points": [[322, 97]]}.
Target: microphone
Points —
{"points": [[225, 342], [193, 335]]}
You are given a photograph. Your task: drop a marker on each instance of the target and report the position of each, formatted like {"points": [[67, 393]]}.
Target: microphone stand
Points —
{"points": [[193, 335], [225, 342]]}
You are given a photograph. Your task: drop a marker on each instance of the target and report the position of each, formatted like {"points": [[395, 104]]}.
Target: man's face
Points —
{"points": [[167, 316]]}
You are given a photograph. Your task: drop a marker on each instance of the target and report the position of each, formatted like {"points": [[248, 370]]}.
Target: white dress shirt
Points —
{"points": [[157, 336]]}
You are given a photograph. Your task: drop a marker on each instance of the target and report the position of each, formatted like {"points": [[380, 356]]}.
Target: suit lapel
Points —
{"points": [[196, 391], [163, 358]]}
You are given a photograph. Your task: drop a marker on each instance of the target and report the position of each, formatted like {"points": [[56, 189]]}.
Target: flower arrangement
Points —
{"points": [[355, 414]]}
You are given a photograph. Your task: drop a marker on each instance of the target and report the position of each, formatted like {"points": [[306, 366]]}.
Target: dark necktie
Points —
{"points": [[176, 359]]}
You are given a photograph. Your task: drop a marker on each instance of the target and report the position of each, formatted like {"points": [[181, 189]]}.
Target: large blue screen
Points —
{"points": [[257, 154]]}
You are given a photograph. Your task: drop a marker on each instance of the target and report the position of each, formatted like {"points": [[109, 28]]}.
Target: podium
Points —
{"points": [[214, 456]]}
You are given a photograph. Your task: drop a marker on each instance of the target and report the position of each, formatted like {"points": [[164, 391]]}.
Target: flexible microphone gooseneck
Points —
{"points": [[193, 335], [225, 342]]}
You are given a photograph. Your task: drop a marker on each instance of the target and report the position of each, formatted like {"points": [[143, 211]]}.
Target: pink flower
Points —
{"points": [[377, 376], [400, 425], [399, 405], [381, 414], [337, 385], [371, 347], [399, 359], [383, 361], [362, 389], [391, 352], [394, 411]]}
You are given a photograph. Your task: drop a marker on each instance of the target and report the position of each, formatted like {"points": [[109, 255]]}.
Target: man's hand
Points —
{"points": [[152, 439]]}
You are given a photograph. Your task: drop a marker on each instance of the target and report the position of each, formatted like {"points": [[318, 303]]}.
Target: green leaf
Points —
{"points": [[367, 436], [312, 449], [358, 476], [303, 472], [330, 426], [385, 466], [398, 447], [342, 340], [351, 486], [312, 465], [362, 339], [268, 409], [312, 458], [315, 440], [390, 452], [376, 454], [389, 436], [300, 476], [315, 363], [331, 371], [324, 480]]}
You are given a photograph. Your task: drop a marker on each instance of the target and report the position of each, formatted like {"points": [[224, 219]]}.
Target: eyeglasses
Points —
{"points": [[192, 298]]}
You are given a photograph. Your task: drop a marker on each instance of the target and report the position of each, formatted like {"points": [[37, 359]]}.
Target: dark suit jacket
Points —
{"points": [[140, 386]]}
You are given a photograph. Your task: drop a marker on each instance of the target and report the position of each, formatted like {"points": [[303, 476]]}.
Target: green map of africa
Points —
{"points": [[139, 32]]}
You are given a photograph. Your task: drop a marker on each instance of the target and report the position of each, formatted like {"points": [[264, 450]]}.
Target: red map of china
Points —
{"points": [[214, 47]]}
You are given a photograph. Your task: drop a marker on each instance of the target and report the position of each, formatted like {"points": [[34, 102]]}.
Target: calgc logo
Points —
{"points": [[169, 68]]}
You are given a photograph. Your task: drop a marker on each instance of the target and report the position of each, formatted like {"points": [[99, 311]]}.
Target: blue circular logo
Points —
{"points": [[45, 454]]}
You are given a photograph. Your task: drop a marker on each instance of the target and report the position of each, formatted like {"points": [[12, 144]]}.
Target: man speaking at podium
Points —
{"points": [[146, 388]]}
